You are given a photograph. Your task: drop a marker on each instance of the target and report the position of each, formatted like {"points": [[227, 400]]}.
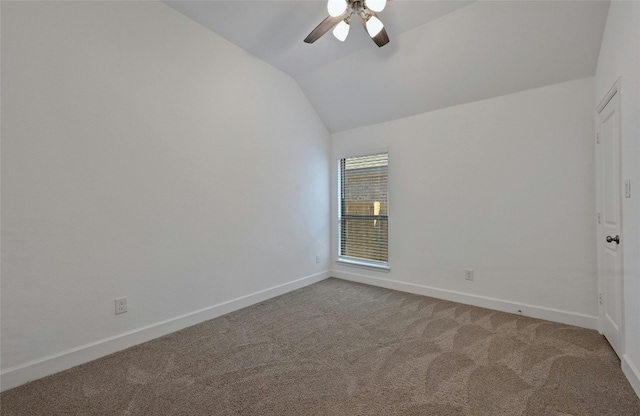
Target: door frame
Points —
{"points": [[612, 94]]}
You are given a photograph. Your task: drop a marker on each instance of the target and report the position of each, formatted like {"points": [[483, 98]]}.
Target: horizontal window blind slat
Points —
{"points": [[364, 217]]}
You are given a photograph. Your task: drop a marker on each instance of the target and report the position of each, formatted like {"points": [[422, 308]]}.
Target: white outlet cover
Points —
{"points": [[121, 305], [468, 274]]}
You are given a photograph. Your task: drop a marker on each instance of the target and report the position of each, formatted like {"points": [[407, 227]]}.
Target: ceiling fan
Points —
{"points": [[339, 19]]}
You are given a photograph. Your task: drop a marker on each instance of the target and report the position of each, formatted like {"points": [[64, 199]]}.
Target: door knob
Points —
{"points": [[612, 239]]}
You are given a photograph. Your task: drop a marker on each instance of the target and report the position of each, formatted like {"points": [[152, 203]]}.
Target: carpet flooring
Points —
{"points": [[342, 348]]}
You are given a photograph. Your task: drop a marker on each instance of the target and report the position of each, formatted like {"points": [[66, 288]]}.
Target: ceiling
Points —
{"points": [[441, 53]]}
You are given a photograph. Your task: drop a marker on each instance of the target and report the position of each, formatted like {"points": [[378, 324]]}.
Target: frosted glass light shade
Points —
{"points": [[341, 31], [374, 26], [336, 7], [376, 5]]}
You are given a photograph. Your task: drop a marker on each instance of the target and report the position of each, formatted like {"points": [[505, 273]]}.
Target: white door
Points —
{"points": [[609, 218]]}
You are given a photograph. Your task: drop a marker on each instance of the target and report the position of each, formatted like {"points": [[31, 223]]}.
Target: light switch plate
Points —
{"points": [[627, 188]]}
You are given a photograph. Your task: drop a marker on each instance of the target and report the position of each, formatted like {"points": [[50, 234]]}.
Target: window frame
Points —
{"points": [[356, 261]]}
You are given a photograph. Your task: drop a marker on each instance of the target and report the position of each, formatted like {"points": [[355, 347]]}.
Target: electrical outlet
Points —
{"points": [[468, 274], [121, 305], [317, 259]]}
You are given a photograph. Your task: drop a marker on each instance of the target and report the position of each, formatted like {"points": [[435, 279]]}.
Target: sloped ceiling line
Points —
{"points": [[442, 53]]}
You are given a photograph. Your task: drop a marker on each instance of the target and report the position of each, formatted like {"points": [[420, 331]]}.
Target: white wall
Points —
{"points": [[620, 57], [144, 156], [503, 186]]}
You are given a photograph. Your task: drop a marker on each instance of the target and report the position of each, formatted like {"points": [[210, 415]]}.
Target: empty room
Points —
{"points": [[342, 207]]}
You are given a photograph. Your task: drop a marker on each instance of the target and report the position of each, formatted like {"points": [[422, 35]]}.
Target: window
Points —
{"points": [[363, 213]]}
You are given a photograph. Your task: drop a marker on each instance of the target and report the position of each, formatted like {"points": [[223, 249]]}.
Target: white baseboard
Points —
{"points": [[33, 370], [632, 373], [539, 312]]}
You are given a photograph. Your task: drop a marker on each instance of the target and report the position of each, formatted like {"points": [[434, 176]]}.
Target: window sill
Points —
{"points": [[364, 264]]}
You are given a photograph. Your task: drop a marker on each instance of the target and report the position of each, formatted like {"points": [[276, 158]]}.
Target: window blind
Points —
{"points": [[364, 209]]}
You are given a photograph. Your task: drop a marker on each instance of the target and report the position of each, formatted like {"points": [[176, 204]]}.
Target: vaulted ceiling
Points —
{"points": [[441, 53]]}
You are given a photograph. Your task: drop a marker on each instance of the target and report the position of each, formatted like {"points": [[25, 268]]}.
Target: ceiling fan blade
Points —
{"points": [[325, 26], [381, 38]]}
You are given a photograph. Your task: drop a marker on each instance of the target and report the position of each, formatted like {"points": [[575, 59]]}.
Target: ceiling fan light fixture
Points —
{"points": [[339, 20], [376, 5], [336, 7], [374, 26], [341, 30]]}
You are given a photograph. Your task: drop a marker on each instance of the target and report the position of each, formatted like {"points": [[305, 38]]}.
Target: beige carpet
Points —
{"points": [[341, 348]]}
